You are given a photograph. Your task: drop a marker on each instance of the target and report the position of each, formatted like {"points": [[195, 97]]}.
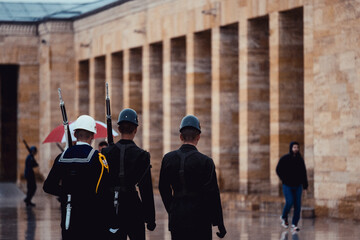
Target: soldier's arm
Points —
{"points": [[52, 182], [214, 196], [146, 192], [164, 187]]}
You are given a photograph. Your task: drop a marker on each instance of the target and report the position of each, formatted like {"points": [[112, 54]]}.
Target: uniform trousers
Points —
{"points": [[31, 188]]}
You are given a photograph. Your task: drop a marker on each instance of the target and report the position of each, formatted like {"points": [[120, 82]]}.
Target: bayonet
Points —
{"points": [[68, 212], [65, 121]]}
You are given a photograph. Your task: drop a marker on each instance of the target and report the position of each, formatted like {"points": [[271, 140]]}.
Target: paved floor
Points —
{"points": [[42, 222]]}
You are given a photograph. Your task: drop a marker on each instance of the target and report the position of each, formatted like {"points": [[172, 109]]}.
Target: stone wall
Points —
{"points": [[336, 102]]}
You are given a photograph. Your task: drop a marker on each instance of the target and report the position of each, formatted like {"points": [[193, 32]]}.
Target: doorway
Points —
{"points": [[8, 123]]}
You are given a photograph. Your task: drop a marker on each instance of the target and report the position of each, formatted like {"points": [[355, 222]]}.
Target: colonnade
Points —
{"points": [[244, 81]]}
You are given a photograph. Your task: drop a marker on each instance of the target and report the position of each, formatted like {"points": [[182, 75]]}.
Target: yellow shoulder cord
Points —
{"points": [[104, 164]]}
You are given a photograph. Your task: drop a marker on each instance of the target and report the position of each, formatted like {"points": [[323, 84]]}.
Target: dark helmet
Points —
{"points": [[190, 121], [33, 149], [128, 115]]}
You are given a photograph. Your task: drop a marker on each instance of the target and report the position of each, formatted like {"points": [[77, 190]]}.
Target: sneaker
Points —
{"points": [[284, 222], [294, 228]]}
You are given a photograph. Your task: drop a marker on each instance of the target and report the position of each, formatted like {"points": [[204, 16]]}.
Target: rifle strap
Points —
{"points": [[122, 148], [183, 156]]}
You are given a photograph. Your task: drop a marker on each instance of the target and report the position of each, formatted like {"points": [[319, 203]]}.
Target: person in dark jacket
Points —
{"points": [[292, 172], [79, 177], [30, 163], [189, 189], [130, 167], [102, 144]]}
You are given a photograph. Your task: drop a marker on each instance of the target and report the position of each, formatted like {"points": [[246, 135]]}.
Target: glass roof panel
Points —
{"points": [[36, 11]]}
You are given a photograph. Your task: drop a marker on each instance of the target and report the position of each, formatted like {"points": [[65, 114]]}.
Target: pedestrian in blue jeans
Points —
{"points": [[291, 170]]}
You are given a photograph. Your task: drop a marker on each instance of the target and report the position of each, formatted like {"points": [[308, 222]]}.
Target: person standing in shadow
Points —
{"points": [[30, 163]]}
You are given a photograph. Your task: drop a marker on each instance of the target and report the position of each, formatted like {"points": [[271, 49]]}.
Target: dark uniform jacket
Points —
{"points": [[291, 169], [30, 163], [132, 210], [79, 171], [198, 206]]}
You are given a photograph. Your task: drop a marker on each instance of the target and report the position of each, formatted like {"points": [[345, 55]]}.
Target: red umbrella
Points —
{"points": [[57, 134]]}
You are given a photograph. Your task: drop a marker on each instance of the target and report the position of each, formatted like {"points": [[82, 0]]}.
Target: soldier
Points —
{"points": [[30, 163], [130, 167], [79, 178], [189, 189]]}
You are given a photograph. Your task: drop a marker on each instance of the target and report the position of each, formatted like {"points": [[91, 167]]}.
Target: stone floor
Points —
{"points": [[42, 222]]}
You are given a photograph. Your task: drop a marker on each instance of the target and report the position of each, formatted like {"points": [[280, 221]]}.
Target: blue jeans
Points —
{"points": [[292, 197]]}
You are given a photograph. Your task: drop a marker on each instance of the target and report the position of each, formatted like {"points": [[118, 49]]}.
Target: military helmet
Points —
{"points": [[85, 122], [128, 115], [190, 121], [33, 149]]}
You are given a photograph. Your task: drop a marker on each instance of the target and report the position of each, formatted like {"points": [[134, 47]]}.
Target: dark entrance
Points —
{"points": [[8, 123]]}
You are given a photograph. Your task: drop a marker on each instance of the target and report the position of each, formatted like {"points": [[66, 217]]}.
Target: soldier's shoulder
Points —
{"points": [[170, 154], [108, 149], [204, 157]]}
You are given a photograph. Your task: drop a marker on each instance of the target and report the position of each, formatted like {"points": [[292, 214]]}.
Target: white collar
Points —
{"points": [[82, 143]]}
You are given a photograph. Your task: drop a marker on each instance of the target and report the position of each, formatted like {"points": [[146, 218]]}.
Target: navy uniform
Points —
{"points": [[80, 172], [130, 167], [189, 191]]}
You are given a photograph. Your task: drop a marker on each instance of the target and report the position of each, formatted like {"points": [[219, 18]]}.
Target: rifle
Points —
{"points": [[65, 122], [60, 147], [108, 117], [28, 148]]}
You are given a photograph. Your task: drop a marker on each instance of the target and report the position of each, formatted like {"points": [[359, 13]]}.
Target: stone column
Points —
{"points": [[146, 96], [215, 101], [190, 73], [167, 95], [274, 103], [243, 103], [308, 148]]}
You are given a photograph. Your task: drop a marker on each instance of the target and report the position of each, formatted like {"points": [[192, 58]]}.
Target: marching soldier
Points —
{"points": [[79, 178], [130, 167], [189, 189]]}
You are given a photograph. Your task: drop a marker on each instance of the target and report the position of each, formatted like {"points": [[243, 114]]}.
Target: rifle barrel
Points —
{"points": [[108, 117], [65, 120]]}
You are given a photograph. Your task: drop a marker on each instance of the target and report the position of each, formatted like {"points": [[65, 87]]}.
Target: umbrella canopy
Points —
{"points": [[58, 135]]}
